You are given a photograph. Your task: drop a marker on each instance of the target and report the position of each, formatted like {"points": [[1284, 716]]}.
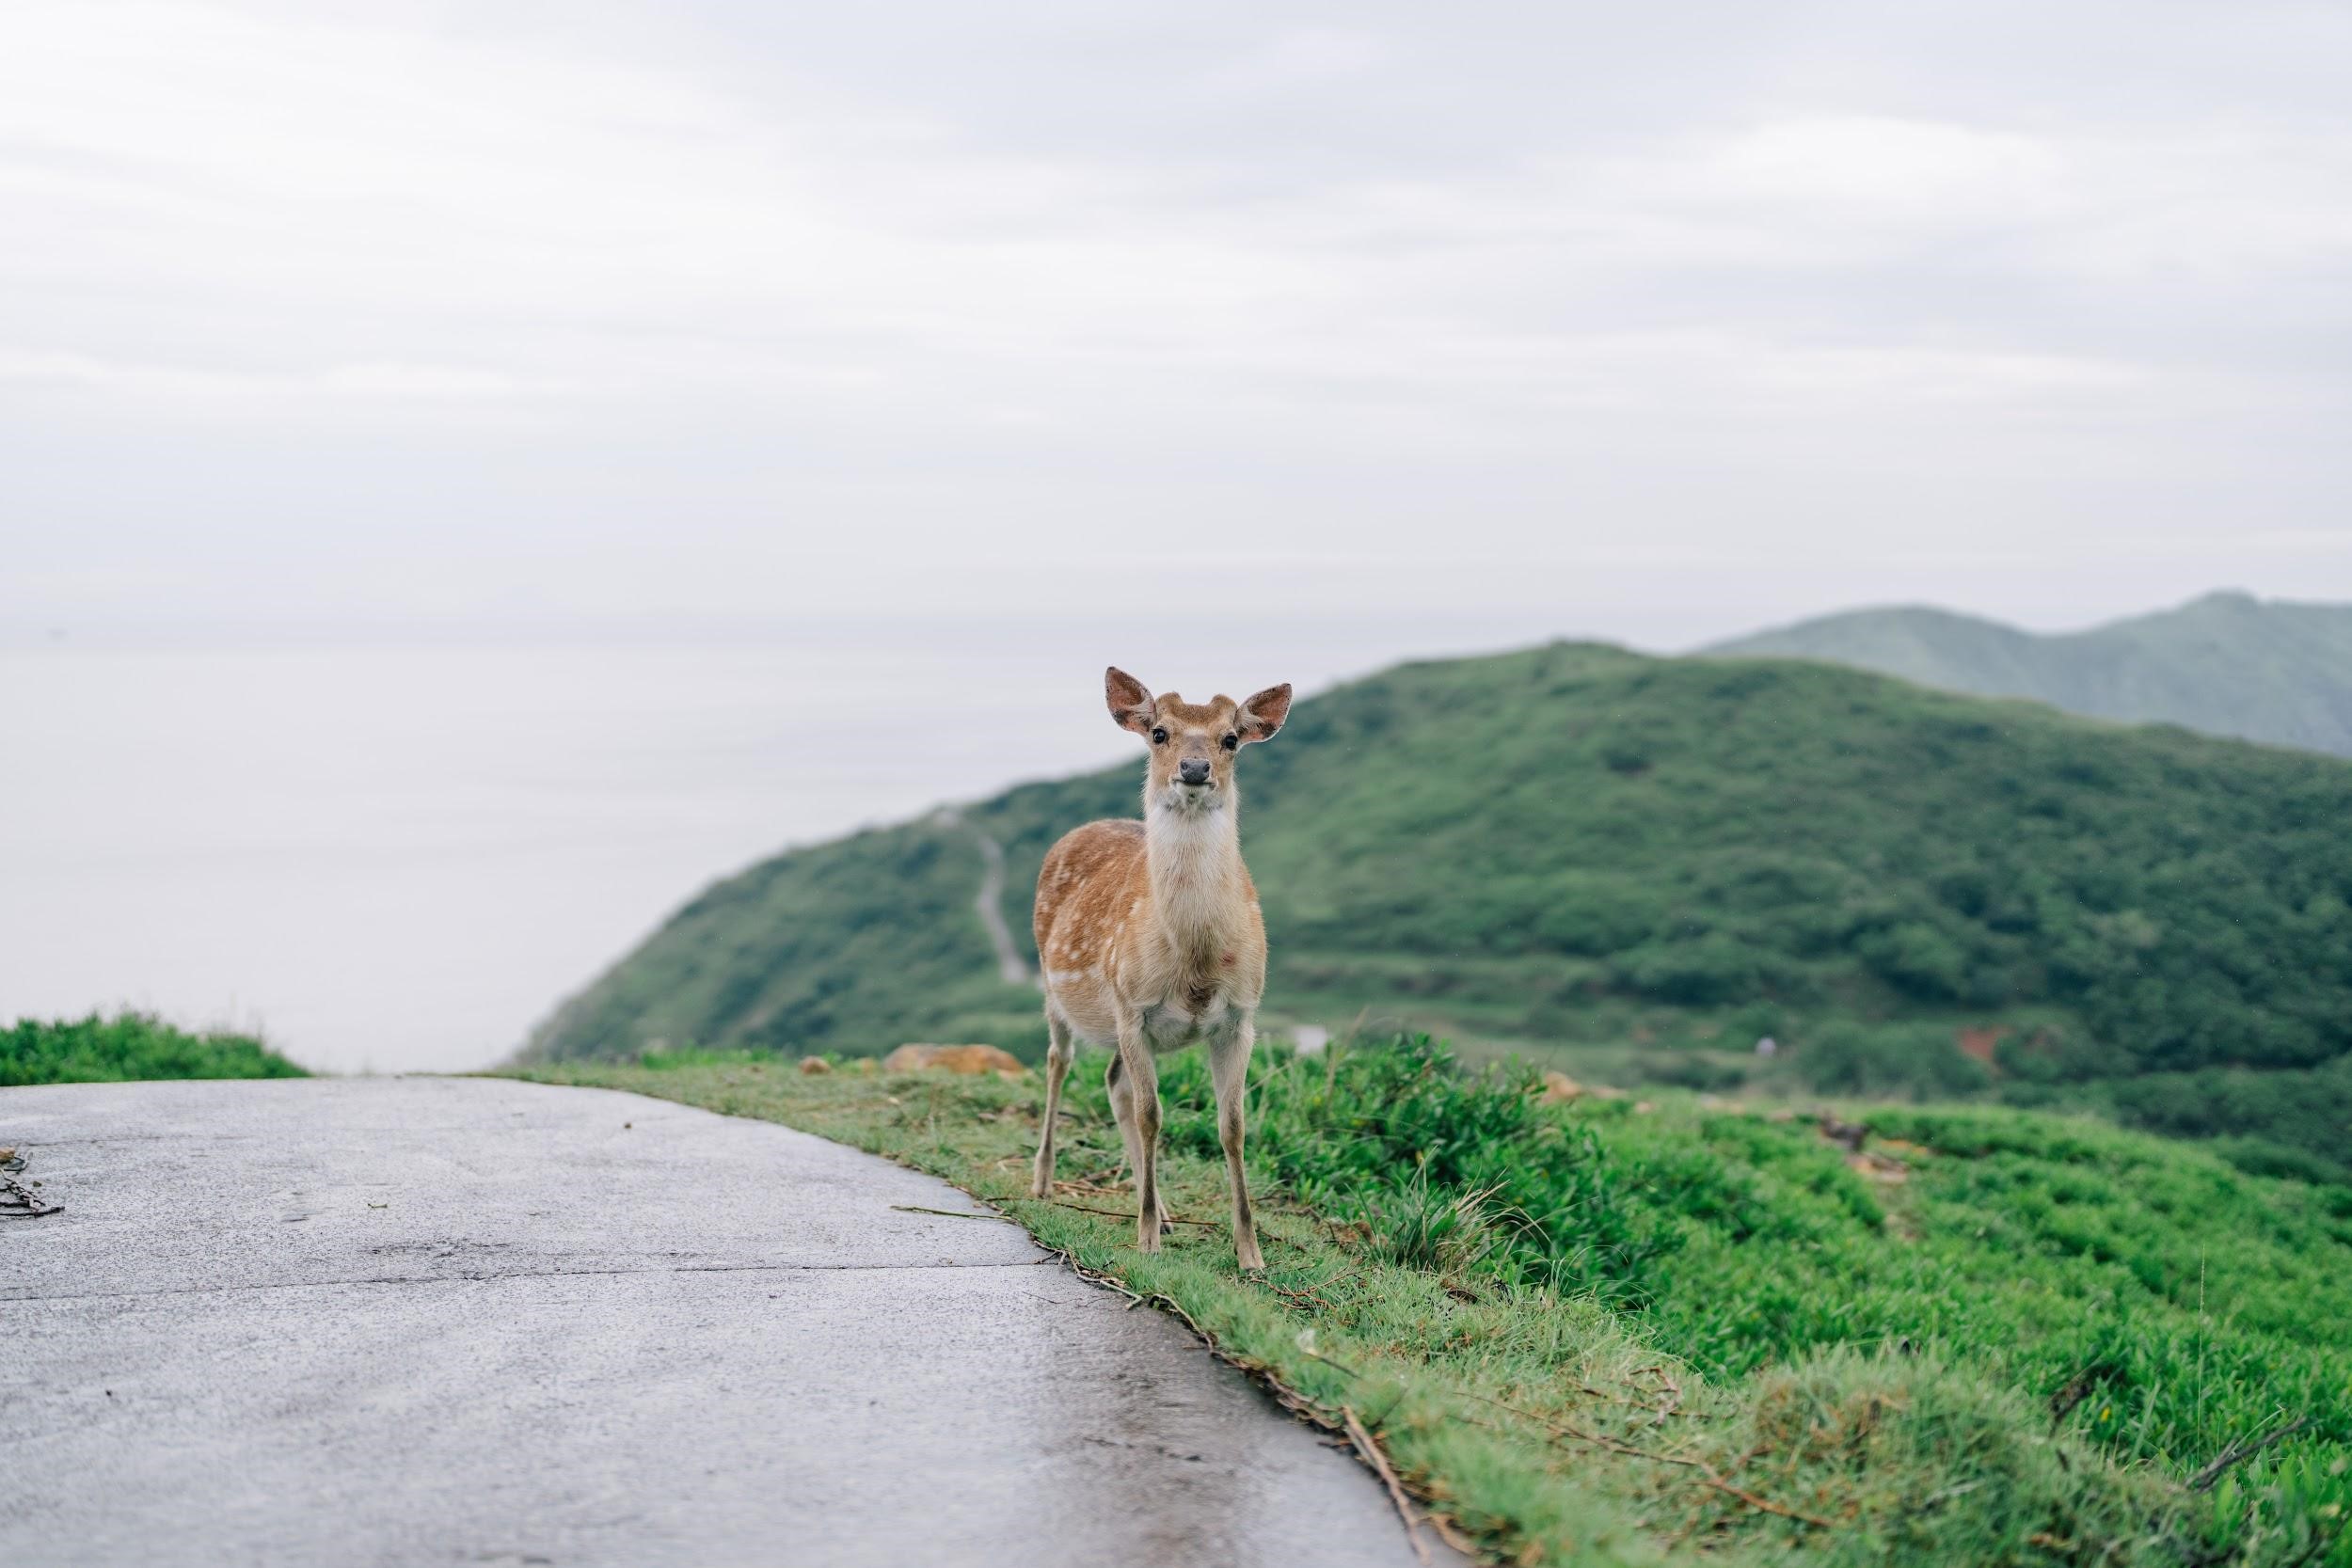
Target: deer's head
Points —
{"points": [[1193, 744]]}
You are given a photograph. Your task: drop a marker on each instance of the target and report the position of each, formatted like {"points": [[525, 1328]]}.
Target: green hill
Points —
{"points": [[2227, 664], [1577, 848]]}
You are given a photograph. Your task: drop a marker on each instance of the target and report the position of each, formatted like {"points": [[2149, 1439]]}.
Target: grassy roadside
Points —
{"points": [[1580, 1332]]}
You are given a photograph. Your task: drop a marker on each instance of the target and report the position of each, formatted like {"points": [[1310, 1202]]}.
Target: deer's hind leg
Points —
{"points": [[1229, 1072], [1059, 1049]]}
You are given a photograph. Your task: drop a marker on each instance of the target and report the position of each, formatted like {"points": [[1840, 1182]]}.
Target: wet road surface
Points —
{"points": [[467, 1320]]}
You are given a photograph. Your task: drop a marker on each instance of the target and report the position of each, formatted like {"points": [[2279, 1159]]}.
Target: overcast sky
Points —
{"points": [[1653, 322]]}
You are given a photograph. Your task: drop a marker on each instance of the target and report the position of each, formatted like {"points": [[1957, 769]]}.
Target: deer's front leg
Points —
{"points": [[1143, 1117], [1229, 1071]]}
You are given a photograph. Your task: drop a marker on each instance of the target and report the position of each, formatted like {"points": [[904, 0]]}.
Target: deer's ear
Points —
{"points": [[1264, 713], [1130, 700]]}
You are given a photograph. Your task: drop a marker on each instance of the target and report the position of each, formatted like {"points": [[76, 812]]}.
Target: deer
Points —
{"points": [[1148, 938]]}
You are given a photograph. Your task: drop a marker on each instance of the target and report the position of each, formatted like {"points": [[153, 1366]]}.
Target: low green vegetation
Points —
{"points": [[1623, 1331], [2274, 1123], [129, 1045], [2286, 1122], [1575, 849]]}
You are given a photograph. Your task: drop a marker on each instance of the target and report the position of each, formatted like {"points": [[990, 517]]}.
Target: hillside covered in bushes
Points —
{"points": [[1574, 845]]}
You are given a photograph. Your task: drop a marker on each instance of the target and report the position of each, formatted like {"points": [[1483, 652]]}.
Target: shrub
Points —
{"points": [[1432, 1159], [96, 1050], [1708, 970], [1919, 1061], [1686, 1071]]}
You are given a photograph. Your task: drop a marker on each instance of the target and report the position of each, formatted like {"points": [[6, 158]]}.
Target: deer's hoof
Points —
{"points": [[1147, 1241], [1250, 1258]]}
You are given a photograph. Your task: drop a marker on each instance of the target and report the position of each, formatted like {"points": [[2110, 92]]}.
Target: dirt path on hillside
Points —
{"points": [[1010, 966]]}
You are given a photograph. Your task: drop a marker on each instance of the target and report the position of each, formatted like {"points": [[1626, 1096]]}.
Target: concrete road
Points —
{"points": [[450, 1320]]}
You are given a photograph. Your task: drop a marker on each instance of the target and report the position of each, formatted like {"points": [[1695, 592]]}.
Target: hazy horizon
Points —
{"points": [[1449, 635], [400, 855]]}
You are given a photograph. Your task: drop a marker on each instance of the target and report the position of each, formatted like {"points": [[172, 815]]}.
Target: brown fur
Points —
{"points": [[1148, 935]]}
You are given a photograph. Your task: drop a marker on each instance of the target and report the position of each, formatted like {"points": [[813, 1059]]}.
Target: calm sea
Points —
{"points": [[396, 858]]}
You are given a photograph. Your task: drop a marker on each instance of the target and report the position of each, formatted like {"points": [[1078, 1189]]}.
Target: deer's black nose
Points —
{"points": [[1193, 770]]}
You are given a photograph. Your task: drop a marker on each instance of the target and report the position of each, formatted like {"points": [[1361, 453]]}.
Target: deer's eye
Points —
{"points": [[1159, 737], [1231, 741]]}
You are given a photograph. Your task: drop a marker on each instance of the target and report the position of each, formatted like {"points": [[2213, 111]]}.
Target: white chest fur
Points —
{"points": [[1196, 871]]}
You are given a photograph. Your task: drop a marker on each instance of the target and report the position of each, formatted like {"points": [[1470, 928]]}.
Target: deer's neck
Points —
{"points": [[1194, 858]]}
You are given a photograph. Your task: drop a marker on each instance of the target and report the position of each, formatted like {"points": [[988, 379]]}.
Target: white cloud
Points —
{"points": [[1874, 167], [291, 397], [523, 272], [1298, 57]]}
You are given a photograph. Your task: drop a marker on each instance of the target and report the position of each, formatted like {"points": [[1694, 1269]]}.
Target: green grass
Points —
{"points": [[96, 1050], [1595, 1333], [1574, 847]]}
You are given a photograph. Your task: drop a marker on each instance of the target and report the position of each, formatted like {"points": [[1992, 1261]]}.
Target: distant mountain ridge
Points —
{"points": [[2228, 664]]}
